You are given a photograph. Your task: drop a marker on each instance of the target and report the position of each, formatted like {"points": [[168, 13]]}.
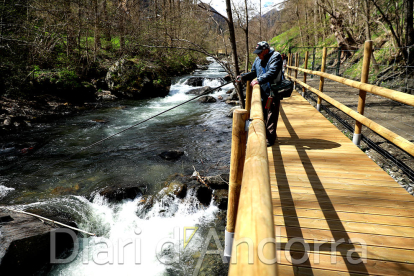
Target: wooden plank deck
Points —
{"points": [[325, 191]]}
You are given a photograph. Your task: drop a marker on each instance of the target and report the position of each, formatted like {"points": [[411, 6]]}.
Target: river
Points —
{"points": [[69, 187]]}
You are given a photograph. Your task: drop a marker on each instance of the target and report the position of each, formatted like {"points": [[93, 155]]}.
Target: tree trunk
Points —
{"points": [[1, 22], [368, 32], [97, 30], [260, 20], [107, 32], [315, 20], [121, 26], [409, 31], [234, 50], [246, 68], [394, 34], [80, 27], [300, 29], [70, 40], [323, 20], [306, 25]]}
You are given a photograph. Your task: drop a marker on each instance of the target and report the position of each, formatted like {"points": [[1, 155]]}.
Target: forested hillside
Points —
{"points": [[74, 42], [60, 45]]}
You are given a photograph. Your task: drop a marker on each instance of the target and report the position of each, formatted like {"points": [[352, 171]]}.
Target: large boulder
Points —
{"points": [[198, 91], [114, 194], [129, 78], [218, 181], [177, 188], [202, 67], [171, 154], [26, 244], [203, 194], [221, 198], [198, 81], [195, 81], [207, 99], [105, 95]]}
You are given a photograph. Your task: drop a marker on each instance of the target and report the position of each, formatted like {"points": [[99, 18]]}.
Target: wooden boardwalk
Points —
{"points": [[326, 190]]}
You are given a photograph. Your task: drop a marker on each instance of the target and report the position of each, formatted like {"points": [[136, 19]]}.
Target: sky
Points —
{"points": [[220, 5]]}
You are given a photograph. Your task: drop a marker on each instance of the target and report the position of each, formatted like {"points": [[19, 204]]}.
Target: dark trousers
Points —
{"points": [[271, 117]]}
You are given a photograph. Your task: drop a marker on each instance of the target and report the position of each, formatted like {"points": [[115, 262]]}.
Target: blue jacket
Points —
{"points": [[267, 70]]}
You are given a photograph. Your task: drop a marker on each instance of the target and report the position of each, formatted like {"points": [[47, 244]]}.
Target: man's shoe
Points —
{"points": [[269, 144]]}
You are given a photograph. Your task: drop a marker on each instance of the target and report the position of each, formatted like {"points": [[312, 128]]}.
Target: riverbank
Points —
{"points": [[51, 93]]}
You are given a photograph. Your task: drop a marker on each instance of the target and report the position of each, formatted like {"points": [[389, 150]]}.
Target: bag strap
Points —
{"points": [[279, 77]]}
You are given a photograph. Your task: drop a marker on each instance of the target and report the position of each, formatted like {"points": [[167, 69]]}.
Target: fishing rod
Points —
{"points": [[128, 128]]}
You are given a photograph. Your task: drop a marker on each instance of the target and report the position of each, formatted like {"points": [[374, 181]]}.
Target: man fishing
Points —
{"points": [[266, 68]]}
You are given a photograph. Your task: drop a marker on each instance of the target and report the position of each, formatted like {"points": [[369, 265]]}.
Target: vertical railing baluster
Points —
{"points": [[362, 93], [322, 79], [304, 74]]}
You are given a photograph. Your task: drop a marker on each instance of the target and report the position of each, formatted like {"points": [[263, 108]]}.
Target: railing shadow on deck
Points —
{"points": [[291, 219]]}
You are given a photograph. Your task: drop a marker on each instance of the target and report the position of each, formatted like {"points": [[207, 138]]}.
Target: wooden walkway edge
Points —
{"points": [[333, 202]]}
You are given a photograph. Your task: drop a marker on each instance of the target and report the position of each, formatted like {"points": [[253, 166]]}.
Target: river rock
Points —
{"points": [[218, 181], [114, 194], [105, 95], [230, 114], [202, 67], [221, 198], [198, 91], [231, 102], [171, 154], [198, 81], [207, 99], [177, 188], [233, 96], [230, 91], [129, 78], [203, 194], [26, 244], [7, 122], [195, 81]]}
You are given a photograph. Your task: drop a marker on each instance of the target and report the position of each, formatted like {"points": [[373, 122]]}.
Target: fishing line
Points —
{"points": [[128, 128]]}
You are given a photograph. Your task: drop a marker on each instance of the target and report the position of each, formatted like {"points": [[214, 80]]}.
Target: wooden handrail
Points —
{"points": [[380, 91], [254, 249], [384, 132]]}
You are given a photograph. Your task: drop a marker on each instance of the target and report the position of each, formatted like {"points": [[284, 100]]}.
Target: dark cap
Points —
{"points": [[262, 45]]}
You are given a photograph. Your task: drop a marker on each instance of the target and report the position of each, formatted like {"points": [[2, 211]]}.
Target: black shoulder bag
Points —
{"points": [[282, 87]]}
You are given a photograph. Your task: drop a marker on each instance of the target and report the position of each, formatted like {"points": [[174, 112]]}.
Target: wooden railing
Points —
{"points": [[363, 87], [250, 211]]}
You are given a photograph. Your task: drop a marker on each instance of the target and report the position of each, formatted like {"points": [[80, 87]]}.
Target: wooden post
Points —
{"points": [[296, 65], [238, 153], [362, 93], [248, 98], [338, 66], [255, 222], [313, 61], [304, 74], [322, 80], [290, 63]]}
